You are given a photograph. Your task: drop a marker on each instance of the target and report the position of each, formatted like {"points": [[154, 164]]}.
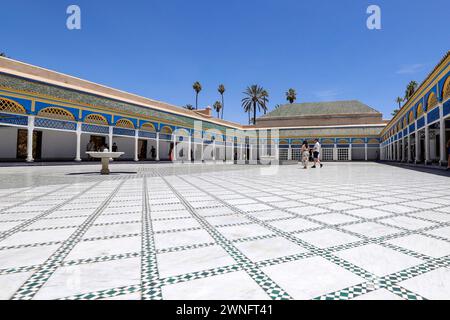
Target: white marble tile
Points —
{"points": [[396, 208], [407, 223], [326, 238], [378, 260], [10, 283], [434, 285], [228, 219], [29, 237], [266, 249], [184, 238], [309, 278], [296, 224], [22, 257], [368, 213], [113, 230], [231, 286], [271, 214], [244, 231], [85, 278], [372, 229], [441, 232], [307, 210], [5, 226], [334, 218], [50, 223], [100, 248], [103, 218], [423, 244], [432, 215], [187, 261]]}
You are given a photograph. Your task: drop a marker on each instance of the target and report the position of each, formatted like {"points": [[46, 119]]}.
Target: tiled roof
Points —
{"points": [[321, 108]]}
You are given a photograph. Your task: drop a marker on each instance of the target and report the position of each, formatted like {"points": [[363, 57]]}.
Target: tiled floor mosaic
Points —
{"points": [[347, 231]]}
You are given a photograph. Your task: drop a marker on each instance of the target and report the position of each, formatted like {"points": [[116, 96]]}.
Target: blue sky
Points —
{"points": [[159, 48]]}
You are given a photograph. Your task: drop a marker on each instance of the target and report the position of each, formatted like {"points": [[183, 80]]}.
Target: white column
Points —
{"points": [[174, 138], [409, 148], [427, 144], [214, 150], [202, 155], [290, 152], [189, 148], [403, 149], [365, 153], [418, 151], [78, 151], [350, 153], [110, 137], [443, 151], [136, 145], [398, 150], [157, 147], [241, 153], [30, 139], [335, 153], [251, 152]]}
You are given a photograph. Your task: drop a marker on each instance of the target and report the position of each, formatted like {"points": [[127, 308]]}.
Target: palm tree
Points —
{"points": [[291, 95], [411, 89], [197, 88], [399, 100], [265, 96], [189, 107], [221, 90], [217, 106], [256, 97]]}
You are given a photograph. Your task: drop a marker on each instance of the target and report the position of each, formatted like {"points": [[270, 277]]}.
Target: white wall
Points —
{"points": [[125, 145], [164, 147], [58, 145], [8, 142], [150, 143], [358, 154]]}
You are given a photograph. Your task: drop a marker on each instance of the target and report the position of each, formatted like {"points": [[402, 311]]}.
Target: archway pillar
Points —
{"points": [[442, 136], [409, 148], [157, 147], [78, 151], [110, 137], [30, 139], [136, 145], [418, 149]]}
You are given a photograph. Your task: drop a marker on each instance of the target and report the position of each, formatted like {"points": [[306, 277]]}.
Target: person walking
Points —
{"points": [[305, 154], [153, 152], [316, 154], [114, 147]]}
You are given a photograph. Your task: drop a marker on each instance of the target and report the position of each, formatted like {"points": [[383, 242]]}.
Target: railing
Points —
{"points": [[343, 154], [283, 154], [327, 154]]}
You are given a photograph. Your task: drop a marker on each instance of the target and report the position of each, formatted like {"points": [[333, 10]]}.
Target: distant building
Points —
{"points": [[46, 115]]}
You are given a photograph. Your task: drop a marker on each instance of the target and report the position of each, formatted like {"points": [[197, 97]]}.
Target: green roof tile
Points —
{"points": [[321, 108]]}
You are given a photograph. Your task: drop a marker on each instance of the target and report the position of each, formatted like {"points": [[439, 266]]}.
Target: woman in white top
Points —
{"points": [[305, 154]]}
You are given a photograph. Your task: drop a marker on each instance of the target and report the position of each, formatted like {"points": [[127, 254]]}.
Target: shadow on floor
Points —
{"points": [[426, 169], [96, 173]]}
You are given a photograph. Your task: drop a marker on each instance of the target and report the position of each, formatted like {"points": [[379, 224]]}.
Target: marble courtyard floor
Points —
{"points": [[348, 231]]}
